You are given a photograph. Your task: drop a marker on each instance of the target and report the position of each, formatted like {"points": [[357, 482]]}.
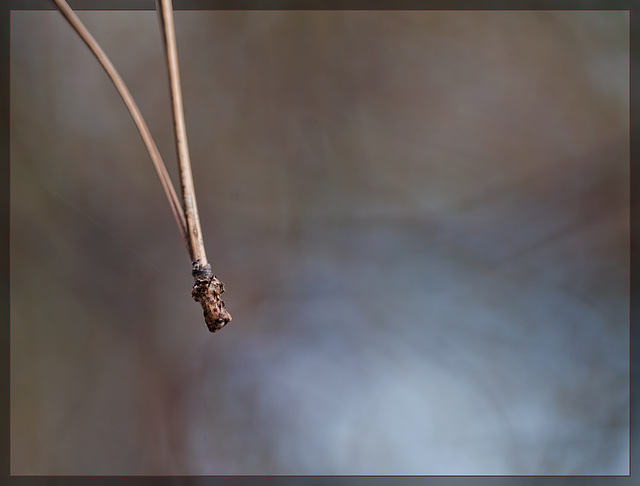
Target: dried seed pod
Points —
{"points": [[207, 290]]}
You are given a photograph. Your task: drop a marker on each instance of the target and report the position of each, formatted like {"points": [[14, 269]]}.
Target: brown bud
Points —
{"points": [[207, 291]]}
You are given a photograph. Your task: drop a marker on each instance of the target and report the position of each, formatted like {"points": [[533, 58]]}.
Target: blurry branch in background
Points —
{"points": [[207, 288]]}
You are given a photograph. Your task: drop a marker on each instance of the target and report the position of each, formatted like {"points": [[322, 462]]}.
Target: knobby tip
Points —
{"points": [[207, 290]]}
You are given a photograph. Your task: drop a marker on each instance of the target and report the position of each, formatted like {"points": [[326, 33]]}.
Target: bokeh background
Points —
{"points": [[422, 222]]}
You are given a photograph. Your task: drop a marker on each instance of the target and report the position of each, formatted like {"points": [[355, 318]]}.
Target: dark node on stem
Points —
{"points": [[207, 290], [201, 272]]}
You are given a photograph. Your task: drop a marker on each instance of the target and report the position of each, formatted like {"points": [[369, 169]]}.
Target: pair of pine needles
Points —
{"points": [[207, 288]]}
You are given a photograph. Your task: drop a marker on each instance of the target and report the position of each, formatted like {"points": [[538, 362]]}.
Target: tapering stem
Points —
{"points": [[190, 206], [207, 287], [154, 153]]}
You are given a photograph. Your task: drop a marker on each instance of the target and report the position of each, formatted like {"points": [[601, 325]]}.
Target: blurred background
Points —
{"points": [[422, 222]]}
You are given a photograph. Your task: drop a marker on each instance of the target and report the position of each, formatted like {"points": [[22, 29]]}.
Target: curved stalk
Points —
{"points": [[207, 288], [152, 148]]}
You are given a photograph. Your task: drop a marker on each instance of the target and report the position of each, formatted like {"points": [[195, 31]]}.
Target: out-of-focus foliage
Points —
{"points": [[422, 222]]}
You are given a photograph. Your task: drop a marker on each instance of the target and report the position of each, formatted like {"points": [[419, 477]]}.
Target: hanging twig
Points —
{"points": [[207, 287]]}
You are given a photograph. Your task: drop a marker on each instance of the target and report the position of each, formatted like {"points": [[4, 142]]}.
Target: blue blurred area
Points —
{"points": [[422, 222]]}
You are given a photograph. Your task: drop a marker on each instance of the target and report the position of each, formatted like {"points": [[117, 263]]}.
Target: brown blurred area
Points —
{"points": [[422, 222]]}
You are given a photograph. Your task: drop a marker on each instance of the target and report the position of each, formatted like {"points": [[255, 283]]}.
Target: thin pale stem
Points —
{"points": [[196, 244], [207, 288], [156, 158]]}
